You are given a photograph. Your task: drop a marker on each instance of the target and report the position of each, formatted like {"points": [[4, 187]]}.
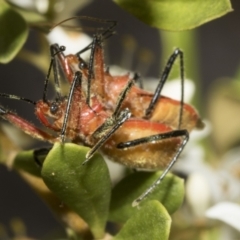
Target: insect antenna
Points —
{"points": [[93, 19], [162, 81], [106, 32], [10, 96]]}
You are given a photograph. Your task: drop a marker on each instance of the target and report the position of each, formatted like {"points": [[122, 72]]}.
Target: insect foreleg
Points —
{"points": [[116, 123]]}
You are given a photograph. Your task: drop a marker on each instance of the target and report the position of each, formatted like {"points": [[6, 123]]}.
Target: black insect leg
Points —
{"points": [[116, 114], [113, 123], [54, 50], [122, 97], [97, 40], [90, 69], [123, 116], [162, 81], [173, 134], [76, 81]]}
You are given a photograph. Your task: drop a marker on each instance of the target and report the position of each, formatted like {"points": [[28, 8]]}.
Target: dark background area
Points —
{"points": [[219, 48]]}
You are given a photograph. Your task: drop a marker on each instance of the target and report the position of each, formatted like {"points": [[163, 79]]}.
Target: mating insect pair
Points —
{"points": [[152, 138]]}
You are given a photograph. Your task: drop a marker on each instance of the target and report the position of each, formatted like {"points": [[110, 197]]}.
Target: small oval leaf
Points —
{"points": [[85, 189], [176, 15], [170, 193], [13, 32], [151, 221]]}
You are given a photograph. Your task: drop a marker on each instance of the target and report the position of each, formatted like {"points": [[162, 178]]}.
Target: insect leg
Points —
{"points": [[123, 116], [26, 126], [162, 81], [76, 81], [54, 50], [95, 67], [114, 122], [114, 118], [122, 97], [90, 69], [177, 133]]}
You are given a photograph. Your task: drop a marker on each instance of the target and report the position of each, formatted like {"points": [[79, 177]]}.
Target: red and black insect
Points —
{"points": [[84, 117], [142, 104]]}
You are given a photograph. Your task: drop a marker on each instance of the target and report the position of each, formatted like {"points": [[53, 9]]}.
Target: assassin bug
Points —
{"points": [[100, 82], [135, 142]]}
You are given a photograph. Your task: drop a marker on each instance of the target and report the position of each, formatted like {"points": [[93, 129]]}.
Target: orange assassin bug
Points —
{"points": [[153, 107], [85, 117], [101, 129]]}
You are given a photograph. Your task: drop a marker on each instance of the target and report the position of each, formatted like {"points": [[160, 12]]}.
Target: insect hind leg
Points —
{"points": [[158, 137], [177, 52]]}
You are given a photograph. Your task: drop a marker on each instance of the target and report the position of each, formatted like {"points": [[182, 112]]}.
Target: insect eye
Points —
{"points": [[54, 107], [82, 65]]}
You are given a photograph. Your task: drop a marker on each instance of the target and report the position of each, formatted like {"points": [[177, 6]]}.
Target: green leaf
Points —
{"points": [[170, 193], [176, 15], [85, 189], [25, 161], [151, 221], [13, 32]]}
